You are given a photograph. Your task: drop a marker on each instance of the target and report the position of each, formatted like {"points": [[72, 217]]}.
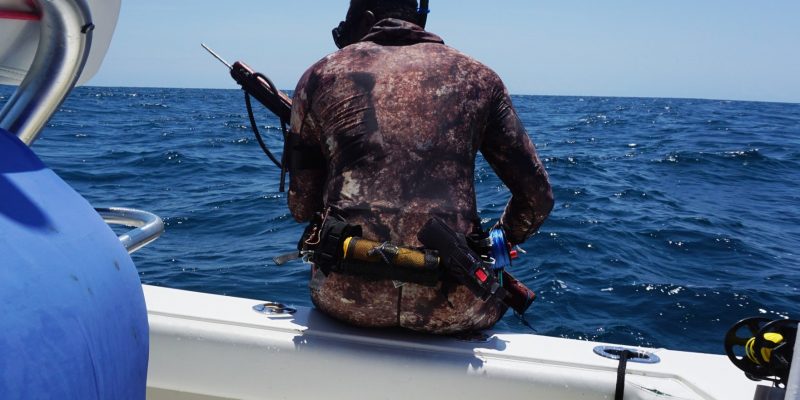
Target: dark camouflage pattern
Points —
{"points": [[399, 118]]}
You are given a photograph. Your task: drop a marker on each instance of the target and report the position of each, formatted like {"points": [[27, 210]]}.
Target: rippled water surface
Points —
{"points": [[674, 218]]}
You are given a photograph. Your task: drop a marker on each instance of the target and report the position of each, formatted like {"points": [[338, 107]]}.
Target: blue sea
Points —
{"points": [[674, 218]]}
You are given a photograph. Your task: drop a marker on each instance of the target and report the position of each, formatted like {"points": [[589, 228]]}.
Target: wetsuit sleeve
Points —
{"points": [[511, 153], [306, 185]]}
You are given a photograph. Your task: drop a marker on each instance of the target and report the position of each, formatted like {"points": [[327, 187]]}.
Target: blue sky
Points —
{"points": [[719, 49]]}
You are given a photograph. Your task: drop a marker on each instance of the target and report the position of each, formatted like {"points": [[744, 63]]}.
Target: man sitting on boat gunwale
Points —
{"points": [[397, 118]]}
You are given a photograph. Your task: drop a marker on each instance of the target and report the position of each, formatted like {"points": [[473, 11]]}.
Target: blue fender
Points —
{"points": [[73, 323]]}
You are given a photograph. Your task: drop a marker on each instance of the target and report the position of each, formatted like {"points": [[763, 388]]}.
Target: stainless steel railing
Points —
{"points": [[147, 226], [65, 39]]}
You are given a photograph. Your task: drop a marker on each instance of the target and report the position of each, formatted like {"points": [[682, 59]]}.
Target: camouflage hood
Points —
{"points": [[396, 32]]}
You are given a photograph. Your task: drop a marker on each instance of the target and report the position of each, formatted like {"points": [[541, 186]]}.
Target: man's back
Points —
{"points": [[399, 118], [400, 126]]}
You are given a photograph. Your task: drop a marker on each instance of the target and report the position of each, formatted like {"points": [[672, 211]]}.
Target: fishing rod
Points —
{"points": [[258, 85]]}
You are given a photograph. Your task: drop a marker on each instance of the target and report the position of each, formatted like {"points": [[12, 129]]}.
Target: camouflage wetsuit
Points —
{"points": [[399, 118]]}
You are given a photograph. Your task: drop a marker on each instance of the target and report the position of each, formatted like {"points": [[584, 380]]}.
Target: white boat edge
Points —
{"points": [[205, 346]]}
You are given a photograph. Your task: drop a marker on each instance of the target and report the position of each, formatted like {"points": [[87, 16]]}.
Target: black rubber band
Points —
{"points": [[623, 366], [257, 133]]}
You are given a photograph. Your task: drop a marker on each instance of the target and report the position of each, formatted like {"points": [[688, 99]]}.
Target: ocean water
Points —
{"points": [[673, 219]]}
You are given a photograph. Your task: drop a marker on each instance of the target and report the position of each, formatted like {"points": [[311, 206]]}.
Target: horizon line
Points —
{"points": [[512, 94]]}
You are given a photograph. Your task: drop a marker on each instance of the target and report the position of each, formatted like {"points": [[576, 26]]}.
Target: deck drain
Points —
{"points": [[639, 356], [270, 308]]}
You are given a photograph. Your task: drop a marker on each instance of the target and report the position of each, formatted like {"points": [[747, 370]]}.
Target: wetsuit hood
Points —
{"points": [[396, 32]]}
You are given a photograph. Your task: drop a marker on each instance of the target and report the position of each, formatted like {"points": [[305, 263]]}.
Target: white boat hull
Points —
{"points": [[209, 347]]}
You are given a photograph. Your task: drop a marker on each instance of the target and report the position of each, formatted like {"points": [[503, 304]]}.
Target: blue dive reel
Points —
{"points": [[501, 250]]}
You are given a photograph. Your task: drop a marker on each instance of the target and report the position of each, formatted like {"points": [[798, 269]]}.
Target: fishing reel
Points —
{"points": [[762, 348]]}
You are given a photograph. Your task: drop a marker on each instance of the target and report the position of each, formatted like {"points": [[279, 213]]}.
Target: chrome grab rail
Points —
{"points": [[65, 39], [148, 226]]}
